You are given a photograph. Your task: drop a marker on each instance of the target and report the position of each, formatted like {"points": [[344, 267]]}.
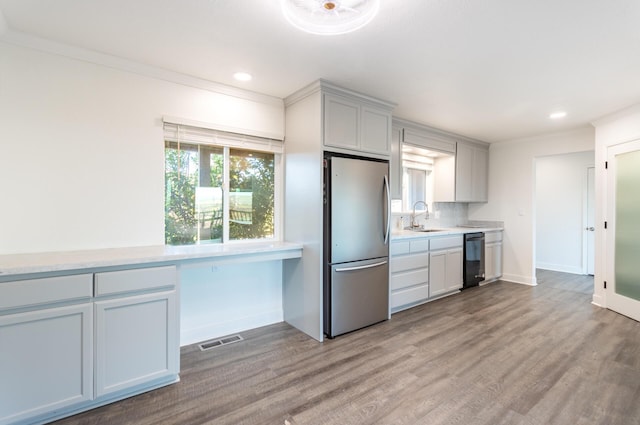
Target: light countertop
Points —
{"points": [[444, 231], [21, 264]]}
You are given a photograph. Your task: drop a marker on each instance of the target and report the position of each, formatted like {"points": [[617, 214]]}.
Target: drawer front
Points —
{"points": [[412, 278], [399, 248], [446, 242], [493, 237], [410, 295], [409, 262], [25, 293], [420, 245], [122, 281]]}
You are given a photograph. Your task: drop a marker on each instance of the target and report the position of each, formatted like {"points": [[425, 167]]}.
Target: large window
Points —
{"points": [[216, 193]]}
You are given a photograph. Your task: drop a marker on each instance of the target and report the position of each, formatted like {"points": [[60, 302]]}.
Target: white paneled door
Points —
{"points": [[623, 229]]}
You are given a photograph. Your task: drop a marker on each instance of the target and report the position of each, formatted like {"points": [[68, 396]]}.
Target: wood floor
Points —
{"points": [[495, 355]]}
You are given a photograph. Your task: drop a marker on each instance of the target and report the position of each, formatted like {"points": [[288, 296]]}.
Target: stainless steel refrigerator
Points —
{"points": [[357, 216]]}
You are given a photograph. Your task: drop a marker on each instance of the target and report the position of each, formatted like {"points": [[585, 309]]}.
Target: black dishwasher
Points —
{"points": [[473, 271]]}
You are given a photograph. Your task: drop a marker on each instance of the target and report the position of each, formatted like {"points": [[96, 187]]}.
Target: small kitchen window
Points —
{"points": [[220, 187]]}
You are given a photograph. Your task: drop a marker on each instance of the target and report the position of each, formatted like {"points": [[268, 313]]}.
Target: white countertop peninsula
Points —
{"points": [[13, 265]]}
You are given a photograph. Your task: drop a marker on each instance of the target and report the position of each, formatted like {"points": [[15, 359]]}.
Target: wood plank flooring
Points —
{"points": [[495, 355]]}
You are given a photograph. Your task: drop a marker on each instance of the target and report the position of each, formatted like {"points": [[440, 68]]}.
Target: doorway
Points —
{"points": [[562, 205]]}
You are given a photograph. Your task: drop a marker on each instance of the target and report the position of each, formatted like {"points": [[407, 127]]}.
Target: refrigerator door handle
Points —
{"points": [[368, 266], [388, 229]]}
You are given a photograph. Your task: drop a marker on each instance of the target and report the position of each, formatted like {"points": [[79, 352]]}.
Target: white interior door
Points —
{"points": [[623, 230], [590, 221]]}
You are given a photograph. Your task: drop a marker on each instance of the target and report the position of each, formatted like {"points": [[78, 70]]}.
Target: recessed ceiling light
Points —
{"points": [[329, 17], [557, 115], [242, 76]]}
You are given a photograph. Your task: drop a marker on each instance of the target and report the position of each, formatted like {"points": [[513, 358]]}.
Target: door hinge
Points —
{"points": [[606, 165], [605, 284], [605, 224]]}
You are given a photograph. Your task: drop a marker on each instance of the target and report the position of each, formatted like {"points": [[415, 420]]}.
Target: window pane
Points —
{"points": [[251, 194], [209, 200], [181, 178], [193, 193], [627, 237]]}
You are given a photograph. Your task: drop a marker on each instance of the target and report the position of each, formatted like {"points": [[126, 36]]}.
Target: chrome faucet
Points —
{"points": [[413, 215]]}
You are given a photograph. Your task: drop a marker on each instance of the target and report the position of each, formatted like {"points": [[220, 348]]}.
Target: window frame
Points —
{"points": [[202, 136]]}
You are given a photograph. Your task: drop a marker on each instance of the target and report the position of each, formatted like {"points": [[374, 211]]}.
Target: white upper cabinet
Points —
{"points": [[355, 123], [341, 122], [460, 168], [376, 130], [471, 173]]}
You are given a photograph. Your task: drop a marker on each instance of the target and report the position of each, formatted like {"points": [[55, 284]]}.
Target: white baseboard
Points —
{"points": [[599, 301], [523, 280], [216, 330], [560, 268]]}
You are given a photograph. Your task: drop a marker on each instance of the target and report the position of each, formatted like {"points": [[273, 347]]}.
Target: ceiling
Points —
{"points": [[492, 69]]}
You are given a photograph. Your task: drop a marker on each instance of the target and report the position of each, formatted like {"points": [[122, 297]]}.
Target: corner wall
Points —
{"points": [[512, 194]]}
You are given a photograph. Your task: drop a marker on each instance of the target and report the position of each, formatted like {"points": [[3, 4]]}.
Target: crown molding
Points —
{"points": [[78, 53]]}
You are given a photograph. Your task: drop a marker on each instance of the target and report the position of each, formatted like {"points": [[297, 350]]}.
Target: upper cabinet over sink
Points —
{"points": [[460, 168]]}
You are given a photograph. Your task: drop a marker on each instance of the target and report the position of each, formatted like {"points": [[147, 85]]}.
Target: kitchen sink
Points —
{"points": [[418, 229]]}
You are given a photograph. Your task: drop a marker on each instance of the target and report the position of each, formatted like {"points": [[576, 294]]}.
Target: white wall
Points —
{"points": [[511, 194], [218, 301], [623, 126], [82, 153], [559, 210]]}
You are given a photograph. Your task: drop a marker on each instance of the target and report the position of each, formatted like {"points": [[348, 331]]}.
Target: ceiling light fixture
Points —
{"points": [[329, 17], [242, 76], [558, 115]]}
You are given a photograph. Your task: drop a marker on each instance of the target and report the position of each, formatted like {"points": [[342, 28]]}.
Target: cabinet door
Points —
{"points": [[497, 260], [464, 173], [444, 179], [437, 273], [341, 122], [489, 261], [376, 130], [454, 269], [395, 164], [480, 175], [136, 341], [45, 361]]}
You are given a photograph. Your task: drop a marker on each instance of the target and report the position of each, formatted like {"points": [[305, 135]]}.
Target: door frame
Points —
{"points": [[618, 303], [585, 221]]}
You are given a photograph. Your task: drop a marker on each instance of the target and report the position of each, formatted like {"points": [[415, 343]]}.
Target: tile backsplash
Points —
{"points": [[442, 214]]}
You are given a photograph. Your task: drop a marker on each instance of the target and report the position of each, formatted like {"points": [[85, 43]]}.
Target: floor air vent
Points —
{"points": [[208, 345]]}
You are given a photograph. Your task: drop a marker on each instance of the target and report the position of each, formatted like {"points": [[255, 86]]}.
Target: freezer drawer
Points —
{"points": [[358, 295]]}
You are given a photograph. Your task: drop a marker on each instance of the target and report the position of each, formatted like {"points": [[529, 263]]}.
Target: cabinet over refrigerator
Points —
{"points": [[357, 216]]}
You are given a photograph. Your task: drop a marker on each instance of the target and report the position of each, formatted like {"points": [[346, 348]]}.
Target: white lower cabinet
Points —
{"points": [[53, 329], [493, 256], [136, 340], [137, 335], [409, 282], [445, 265], [45, 361], [46, 347]]}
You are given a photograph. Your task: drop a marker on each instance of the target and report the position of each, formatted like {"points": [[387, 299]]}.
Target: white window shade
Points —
{"points": [[176, 132]]}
